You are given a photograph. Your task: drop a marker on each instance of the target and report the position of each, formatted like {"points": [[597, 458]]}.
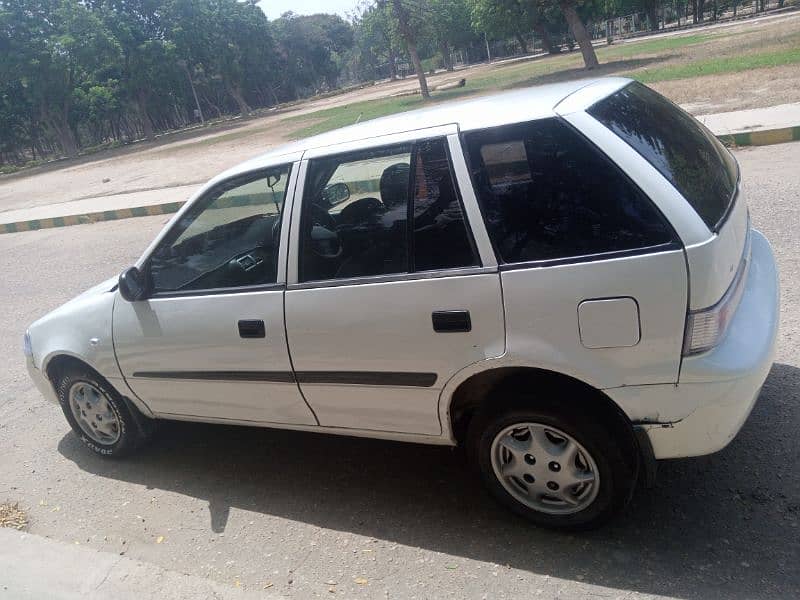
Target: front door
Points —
{"points": [[210, 342], [390, 297]]}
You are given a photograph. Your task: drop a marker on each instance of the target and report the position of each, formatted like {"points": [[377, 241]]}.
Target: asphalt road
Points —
{"points": [[304, 515]]}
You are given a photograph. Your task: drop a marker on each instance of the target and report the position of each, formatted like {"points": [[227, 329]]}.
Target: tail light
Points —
{"points": [[705, 328]]}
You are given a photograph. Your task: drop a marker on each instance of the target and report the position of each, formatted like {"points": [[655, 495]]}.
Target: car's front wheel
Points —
{"points": [[99, 415], [553, 466]]}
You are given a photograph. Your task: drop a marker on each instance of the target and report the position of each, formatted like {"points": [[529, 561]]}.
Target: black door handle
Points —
{"points": [[448, 321], [252, 328]]}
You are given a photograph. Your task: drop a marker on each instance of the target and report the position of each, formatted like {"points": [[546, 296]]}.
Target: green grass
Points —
{"points": [[651, 46], [617, 58], [718, 66], [341, 116]]}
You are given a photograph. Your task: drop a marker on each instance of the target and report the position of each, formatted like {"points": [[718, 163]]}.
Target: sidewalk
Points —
{"points": [[755, 127], [34, 568]]}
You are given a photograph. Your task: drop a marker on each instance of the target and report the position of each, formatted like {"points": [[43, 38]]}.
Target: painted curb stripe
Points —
{"points": [[750, 138], [93, 217]]}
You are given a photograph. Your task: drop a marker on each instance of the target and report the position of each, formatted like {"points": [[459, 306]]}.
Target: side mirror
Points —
{"points": [[133, 285], [336, 193]]}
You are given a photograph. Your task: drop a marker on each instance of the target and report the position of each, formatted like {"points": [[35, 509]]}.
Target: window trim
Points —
{"points": [[222, 291], [674, 243], [295, 227], [596, 257], [201, 204], [392, 278]]}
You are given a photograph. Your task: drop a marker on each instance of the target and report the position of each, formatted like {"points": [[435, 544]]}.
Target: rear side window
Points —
{"points": [[546, 193], [384, 211], [685, 152]]}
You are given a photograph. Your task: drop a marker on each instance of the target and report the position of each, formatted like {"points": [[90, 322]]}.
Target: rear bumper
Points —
{"points": [[717, 389]]}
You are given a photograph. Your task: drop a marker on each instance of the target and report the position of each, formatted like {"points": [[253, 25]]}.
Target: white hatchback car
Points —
{"points": [[563, 279]]}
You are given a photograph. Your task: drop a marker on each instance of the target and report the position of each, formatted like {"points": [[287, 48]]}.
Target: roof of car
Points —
{"points": [[492, 110]]}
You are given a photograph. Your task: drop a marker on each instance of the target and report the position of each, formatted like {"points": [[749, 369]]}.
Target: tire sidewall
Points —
{"points": [[128, 430], [616, 478]]}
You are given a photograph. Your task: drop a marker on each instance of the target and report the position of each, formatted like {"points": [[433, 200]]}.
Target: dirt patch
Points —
{"points": [[11, 515], [734, 91]]}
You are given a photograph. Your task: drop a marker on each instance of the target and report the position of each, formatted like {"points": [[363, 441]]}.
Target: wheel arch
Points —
{"points": [[58, 363], [501, 383]]}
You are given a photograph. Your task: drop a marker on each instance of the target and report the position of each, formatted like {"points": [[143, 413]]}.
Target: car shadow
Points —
{"points": [[722, 526]]}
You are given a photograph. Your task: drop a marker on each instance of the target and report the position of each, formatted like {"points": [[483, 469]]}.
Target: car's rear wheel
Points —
{"points": [[556, 468], [99, 415]]}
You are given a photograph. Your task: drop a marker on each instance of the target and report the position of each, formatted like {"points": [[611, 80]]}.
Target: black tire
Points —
{"points": [[134, 428], [617, 476]]}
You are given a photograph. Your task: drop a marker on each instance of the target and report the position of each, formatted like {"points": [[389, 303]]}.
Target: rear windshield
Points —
{"points": [[684, 151]]}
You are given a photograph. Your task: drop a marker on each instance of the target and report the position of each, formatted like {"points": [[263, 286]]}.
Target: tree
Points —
{"points": [[149, 67], [451, 26], [513, 18], [313, 47], [569, 8], [376, 43], [54, 47], [406, 22]]}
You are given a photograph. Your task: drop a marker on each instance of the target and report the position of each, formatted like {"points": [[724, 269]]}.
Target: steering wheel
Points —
{"points": [[325, 242]]}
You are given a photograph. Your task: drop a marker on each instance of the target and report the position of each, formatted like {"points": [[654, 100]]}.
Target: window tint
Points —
{"points": [[689, 156], [356, 207], [364, 231], [441, 239], [547, 193], [229, 239]]}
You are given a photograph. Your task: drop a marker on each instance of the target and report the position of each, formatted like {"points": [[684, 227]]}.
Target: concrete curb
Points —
{"points": [[93, 217], [764, 137]]}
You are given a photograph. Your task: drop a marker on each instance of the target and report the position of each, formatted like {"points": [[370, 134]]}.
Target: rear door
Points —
{"points": [[594, 277], [388, 296]]}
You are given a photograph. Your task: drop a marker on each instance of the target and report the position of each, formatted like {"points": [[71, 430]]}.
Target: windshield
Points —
{"points": [[676, 144]]}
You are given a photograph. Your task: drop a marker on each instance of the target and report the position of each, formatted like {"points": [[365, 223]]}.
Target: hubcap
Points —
{"points": [[92, 411], [544, 468]]}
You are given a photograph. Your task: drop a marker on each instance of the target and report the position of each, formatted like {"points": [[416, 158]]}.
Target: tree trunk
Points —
{"points": [[547, 41], [579, 33], [701, 7], [392, 65], [147, 124], [652, 18], [66, 137], [408, 36], [523, 44], [444, 48], [236, 94], [423, 82]]}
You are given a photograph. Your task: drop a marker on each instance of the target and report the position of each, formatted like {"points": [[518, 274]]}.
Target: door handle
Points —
{"points": [[252, 328], [449, 321]]}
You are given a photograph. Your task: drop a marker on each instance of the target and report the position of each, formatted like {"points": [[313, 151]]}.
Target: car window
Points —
{"points": [[356, 208], [547, 193], [441, 237], [365, 234], [228, 239], [676, 144]]}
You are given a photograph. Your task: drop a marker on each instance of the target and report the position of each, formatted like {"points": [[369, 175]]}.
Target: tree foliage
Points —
{"points": [[82, 73]]}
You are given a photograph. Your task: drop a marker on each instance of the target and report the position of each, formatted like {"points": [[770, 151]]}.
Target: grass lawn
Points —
{"points": [[651, 46], [715, 66], [341, 116], [649, 61]]}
